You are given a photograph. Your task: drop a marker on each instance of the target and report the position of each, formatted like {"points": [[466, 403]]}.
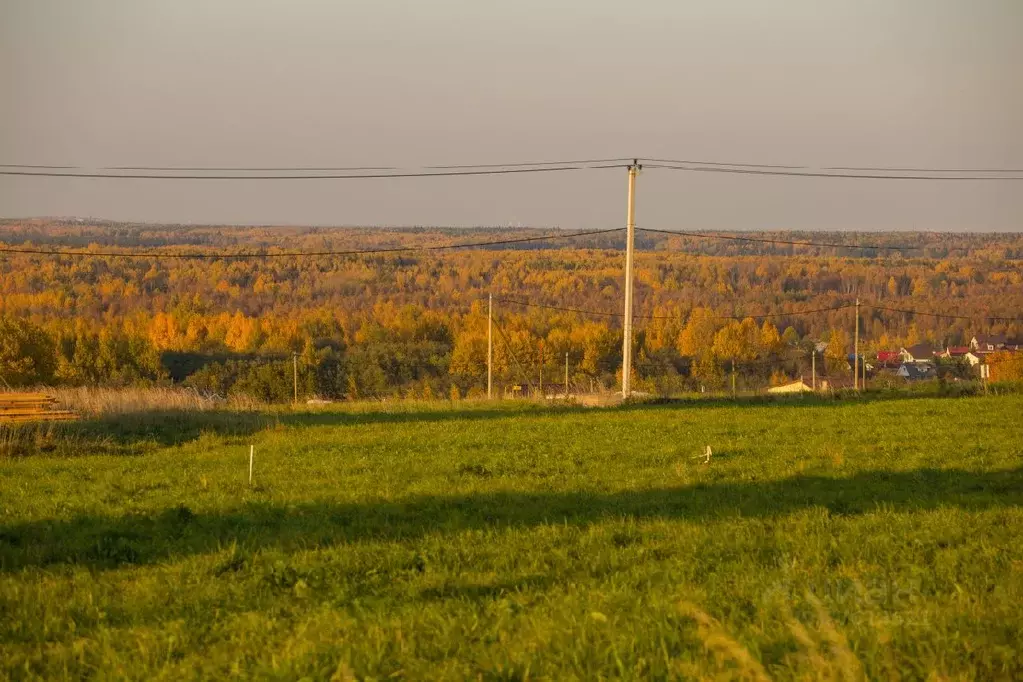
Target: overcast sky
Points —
{"points": [[930, 83]]}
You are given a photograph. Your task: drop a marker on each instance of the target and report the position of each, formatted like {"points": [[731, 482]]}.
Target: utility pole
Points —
{"points": [[856, 349], [541, 370], [490, 348], [813, 364], [733, 377], [863, 378], [566, 375], [630, 238], [294, 375]]}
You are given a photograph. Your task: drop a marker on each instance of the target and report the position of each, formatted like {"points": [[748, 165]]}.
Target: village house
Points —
{"points": [[956, 352], [921, 352], [973, 358], [987, 343], [916, 371], [888, 359], [799, 386]]}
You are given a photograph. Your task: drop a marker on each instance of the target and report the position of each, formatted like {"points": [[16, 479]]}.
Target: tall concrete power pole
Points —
{"points": [[629, 246]]}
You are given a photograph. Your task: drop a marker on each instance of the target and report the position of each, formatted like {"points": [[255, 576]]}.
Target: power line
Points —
{"points": [[303, 254], [724, 166], [601, 313], [717, 163], [766, 240], [573, 162], [299, 169], [824, 174], [945, 315], [22, 165], [343, 176], [888, 169], [581, 311], [791, 313], [249, 169], [925, 170]]}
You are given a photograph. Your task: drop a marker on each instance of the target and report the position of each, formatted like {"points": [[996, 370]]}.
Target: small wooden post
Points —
{"points": [[733, 377]]}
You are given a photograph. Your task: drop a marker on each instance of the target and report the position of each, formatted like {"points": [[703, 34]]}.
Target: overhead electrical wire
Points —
{"points": [[790, 313], [342, 176], [621, 162], [993, 318], [300, 169], [527, 304], [887, 169], [240, 169], [826, 174], [302, 254], [924, 170], [602, 313], [768, 240], [444, 170], [22, 165], [680, 162]]}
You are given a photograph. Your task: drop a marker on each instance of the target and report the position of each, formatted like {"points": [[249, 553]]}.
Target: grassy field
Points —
{"points": [[824, 540]]}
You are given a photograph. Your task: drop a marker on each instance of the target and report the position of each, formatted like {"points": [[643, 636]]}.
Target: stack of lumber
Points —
{"points": [[28, 407]]}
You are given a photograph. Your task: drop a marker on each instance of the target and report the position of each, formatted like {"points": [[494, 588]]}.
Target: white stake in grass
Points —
{"points": [[252, 454], [706, 455]]}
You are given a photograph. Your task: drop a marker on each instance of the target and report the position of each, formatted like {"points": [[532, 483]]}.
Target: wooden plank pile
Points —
{"points": [[29, 407]]}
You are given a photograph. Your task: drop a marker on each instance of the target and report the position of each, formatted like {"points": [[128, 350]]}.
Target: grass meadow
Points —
{"points": [[825, 539]]}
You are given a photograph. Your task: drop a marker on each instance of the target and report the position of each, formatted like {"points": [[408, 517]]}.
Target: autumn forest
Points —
{"points": [[414, 323]]}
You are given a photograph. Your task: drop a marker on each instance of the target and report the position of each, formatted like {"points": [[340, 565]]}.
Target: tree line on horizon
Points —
{"points": [[415, 323]]}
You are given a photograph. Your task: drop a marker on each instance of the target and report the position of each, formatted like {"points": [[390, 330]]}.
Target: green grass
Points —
{"points": [[823, 540]]}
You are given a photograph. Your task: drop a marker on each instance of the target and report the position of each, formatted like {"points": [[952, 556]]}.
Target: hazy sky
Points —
{"points": [[382, 82]]}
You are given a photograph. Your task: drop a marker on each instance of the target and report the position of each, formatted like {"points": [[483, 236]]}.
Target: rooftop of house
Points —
{"points": [[920, 350], [918, 370], [989, 339]]}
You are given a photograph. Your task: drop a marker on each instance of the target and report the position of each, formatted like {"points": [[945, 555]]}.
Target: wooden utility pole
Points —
{"points": [[490, 348], [630, 238], [541, 369], [566, 375], [294, 374], [863, 378], [856, 349], [733, 377], [813, 364]]}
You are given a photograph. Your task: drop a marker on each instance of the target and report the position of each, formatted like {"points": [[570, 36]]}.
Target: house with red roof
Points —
{"points": [[956, 352], [888, 359]]}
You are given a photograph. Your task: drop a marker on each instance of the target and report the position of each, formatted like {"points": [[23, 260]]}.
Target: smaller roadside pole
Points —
{"points": [[863, 382], [294, 375], [856, 349], [541, 369], [813, 364], [566, 375], [490, 348]]}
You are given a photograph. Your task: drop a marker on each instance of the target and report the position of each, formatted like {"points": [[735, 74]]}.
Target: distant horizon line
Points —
{"points": [[99, 222]]}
